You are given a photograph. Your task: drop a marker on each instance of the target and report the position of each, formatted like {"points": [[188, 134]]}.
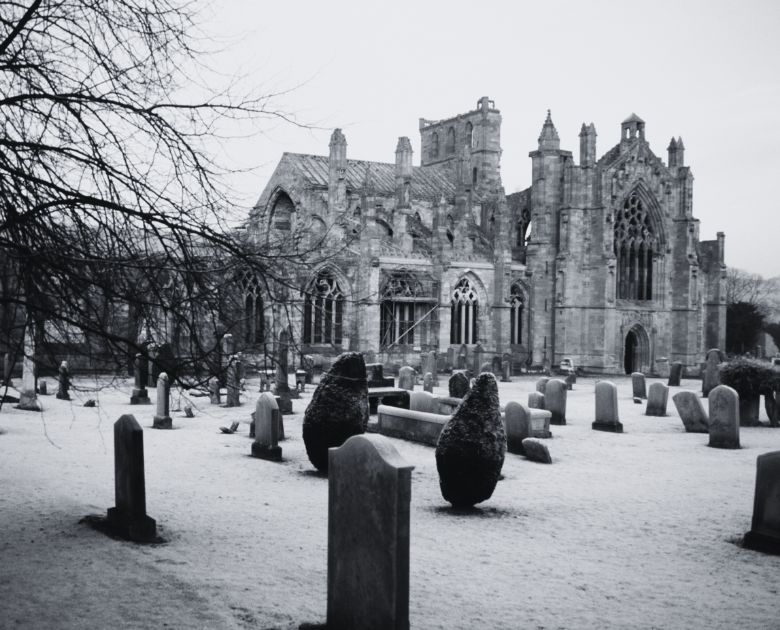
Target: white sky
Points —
{"points": [[708, 71]]}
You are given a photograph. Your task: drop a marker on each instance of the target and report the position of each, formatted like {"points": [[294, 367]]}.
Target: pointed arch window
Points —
{"points": [[398, 308], [434, 145], [469, 135], [323, 311], [282, 212], [450, 141], [464, 312], [516, 307], [635, 247], [254, 317]]}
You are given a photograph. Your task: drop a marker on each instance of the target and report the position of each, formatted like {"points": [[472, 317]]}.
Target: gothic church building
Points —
{"points": [[598, 261]]}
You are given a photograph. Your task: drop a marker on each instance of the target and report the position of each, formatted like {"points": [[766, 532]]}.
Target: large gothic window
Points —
{"points": [[282, 212], [635, 244], [516, 306], [407, 309], [254, 318], [464, 309], [323, 311]]}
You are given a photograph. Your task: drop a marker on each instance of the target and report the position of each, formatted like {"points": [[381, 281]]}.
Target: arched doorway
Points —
{"points": [[636, 350]]}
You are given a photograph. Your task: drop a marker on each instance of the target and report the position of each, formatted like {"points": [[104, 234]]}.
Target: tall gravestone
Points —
{"points": [[607, 417], [555, 400], [63, 382], [764, 534], [724, 417], [140, 395], [214, 393], [517, 420], [657, 397], [691, 412], [570, 380], [428, 382], [711, 377], [267, 425], [638, 385], [506, 371], [162, 419], [28, 397], [232, 399], [128, 517], [283, 394], [428, 362], [458, 385], [495, 366], [406, 378], [675, 374], [7, 367], [463, 357], [369, 493]]}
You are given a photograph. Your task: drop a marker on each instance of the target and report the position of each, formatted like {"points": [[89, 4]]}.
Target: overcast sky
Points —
{"points": [[708, 71]]}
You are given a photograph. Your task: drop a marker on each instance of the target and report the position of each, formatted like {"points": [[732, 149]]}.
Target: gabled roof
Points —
{"points": [[428, 182], [633, 118]]}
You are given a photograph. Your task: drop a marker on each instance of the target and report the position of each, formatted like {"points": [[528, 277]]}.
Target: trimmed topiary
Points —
{"points": [[750, 378], [471, 447], [338, 408], [458, 385]]}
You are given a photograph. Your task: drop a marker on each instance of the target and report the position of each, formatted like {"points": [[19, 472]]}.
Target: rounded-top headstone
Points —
{"points": [[607, 417], [406, 378], [471, 447], [555, 400], [541, 384], [338, 408], [724, 417], [517, 418], [428, 382], [458, 385], [711, 378], [638, 385]]}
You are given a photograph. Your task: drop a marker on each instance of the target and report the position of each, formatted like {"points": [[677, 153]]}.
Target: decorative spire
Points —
{"points": [[549, 139], [680, 145], [672, 145]]}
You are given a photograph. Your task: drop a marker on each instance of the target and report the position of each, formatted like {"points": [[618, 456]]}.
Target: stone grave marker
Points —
{"points": [[406, 378], [506, 371], [423, 401], [536, 451], [536, 400], [764, 534], [43, 388], [658, 396], [638, 385], [283, 394], [541, 384], [428, 382], [675, 374], [369, 492], [724, 417], [607, 418], [555, 400], [428, 365], [140, 395], [233, 382], [517, 421], [7, 367], [267, 420], [63, 385], [495, 366], [28, 397], [214, 394], [162, 419], [711, 378], [691, 412], [228, 347], [128, 517], [463, 355], [570, 380], [458, 385]]}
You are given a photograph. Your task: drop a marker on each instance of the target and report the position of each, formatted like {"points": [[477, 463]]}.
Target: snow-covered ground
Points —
{"points": [[623, 531]]}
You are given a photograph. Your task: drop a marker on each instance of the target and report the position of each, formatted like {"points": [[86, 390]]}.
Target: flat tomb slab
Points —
{"points": [[416, 426]]}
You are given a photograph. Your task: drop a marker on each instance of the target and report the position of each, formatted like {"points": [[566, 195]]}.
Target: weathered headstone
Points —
{"points": [[43, 388], [607, 418], [7, 367], [162, 419], [724, 417], [406, 378], [233, 382], [541, 384], [540, 423], [140, 395], [711, 378], [658, 396], [267, 421], [458, 385], [300, 381], [428, 365], [463, 355], [495, 366], [428, 382], [375, 373], [555, 400], [570, 380], [369, 492], [471, 447], [506, 371], [214, 394], [28, 398], [638, 385], [675, 374], [228, 347], [128, 517], [536, 451], [63, 382], [691, 412], [517, 420], [338, 408], [423, 401], [536, 400], [283, 394], [478, 359], [764, 534]]}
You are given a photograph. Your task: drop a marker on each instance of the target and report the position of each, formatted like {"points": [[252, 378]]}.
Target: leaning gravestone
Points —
{"points": [[128, 517], [214, 394], [764, 534], [541, 384], [369, 492], [675, 374], [233, 382], [711, 377], [607, 418], [162, 419], [458, 385], [555, 400], [63, 382], [638, 385], [338, 408], [658, 396], [267, 421], [536, 400], [691, 412], [140, 395], [536, 451], [428, 382], [471, 447], [406, 378], [724, 417], [517, 420]]}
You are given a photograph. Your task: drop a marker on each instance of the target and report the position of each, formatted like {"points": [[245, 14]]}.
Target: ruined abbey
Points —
{"points": [[598, 261]]}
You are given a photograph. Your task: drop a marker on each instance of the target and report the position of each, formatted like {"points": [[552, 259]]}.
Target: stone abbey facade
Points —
{"points": [[598, 261]]}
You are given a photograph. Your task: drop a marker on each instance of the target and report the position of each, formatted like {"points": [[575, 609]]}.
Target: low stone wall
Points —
{"points": [[416, 426]]}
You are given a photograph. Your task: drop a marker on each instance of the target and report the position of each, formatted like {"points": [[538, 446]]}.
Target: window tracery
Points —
{"points": [[464, 311], [323, 311], [635, 245]]}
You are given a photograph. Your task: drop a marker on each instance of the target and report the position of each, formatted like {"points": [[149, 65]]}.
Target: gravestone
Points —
{"points": [[128, 517], [478, 359], [463, 355], [570, 380], [162, 419], [188, 411], [541, 384], [214, 393], [369, 492], [724, 417], [406, 378], [638, 385], [495, 366], [607, 418], [658, 396], [711, 377], [540, 423], [63, 384], [283, 394], [428, 365], [308, 365], [506, 371], [691, 412], [233, 382], [140, 395], [517, 420], [764, 534], [43, 388], [375, 373], [536, 400], [555, 400], [536, 451], [458, 385], [300, 381], [423, 401], [7, 368], [675, 374], [267, 422], [28, 398], [428, 382], [228, 347]]}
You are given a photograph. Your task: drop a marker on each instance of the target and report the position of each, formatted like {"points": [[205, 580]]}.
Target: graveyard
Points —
{"points": [[635, 529]]}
